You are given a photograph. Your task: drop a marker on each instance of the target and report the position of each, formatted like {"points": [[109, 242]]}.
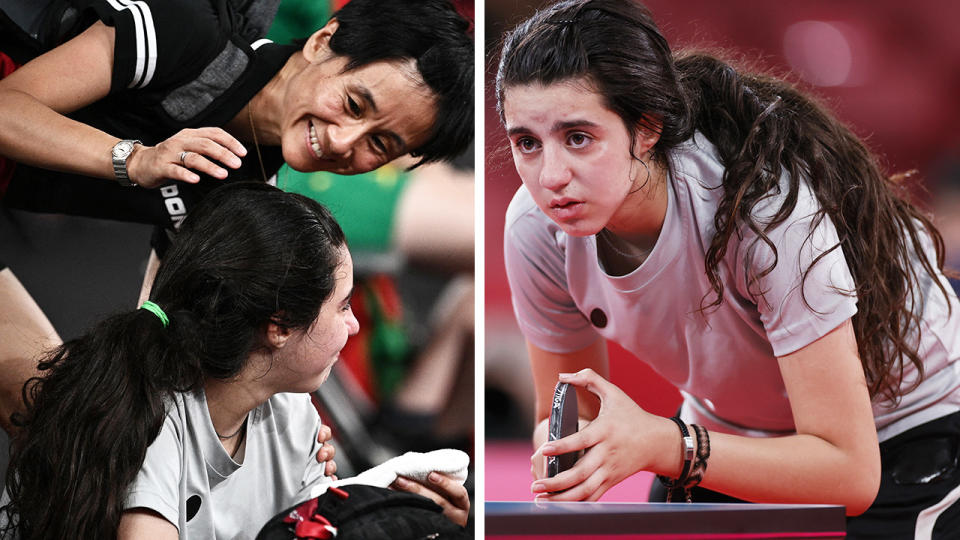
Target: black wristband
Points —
{"points": [[687, 450]]}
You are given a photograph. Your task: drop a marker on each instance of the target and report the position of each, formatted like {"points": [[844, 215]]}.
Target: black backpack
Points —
{"points": [[361, 512]]}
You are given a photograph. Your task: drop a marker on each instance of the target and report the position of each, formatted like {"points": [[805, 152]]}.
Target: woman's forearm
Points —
{"points": [[35, 98], [34, 134]]}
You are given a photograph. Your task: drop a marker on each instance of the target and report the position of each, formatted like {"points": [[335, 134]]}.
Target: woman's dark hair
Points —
{"points": [[760, 126], [249, 254], [436, 37]]}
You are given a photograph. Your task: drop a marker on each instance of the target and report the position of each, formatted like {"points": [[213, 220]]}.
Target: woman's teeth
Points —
{"points": [[314, 143]]}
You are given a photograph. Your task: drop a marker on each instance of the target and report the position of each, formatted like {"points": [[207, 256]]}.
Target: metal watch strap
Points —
{"points": [[119, 154]]}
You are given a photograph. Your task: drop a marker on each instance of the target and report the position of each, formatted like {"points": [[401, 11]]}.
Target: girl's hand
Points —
{"points": [[443, 490], [538, 462], [326, 452], [151, 166], [538, 465], [622, 440]]}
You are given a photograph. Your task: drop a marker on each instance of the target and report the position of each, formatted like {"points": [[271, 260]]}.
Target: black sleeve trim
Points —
{"points": [[135, 45], [159, 42]]}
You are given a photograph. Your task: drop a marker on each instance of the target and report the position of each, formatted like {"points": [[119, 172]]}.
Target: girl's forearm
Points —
{"points": [[792, 469]]}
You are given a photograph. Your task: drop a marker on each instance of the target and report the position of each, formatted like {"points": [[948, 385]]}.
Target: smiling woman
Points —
{"points": [[145, 95], [353, 121]]}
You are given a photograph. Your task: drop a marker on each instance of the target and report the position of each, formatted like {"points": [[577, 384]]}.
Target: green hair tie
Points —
{"points": [[155, 309]]}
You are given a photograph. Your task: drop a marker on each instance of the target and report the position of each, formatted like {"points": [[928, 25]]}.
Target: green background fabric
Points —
{"points": [[298, 19], [364, 204]]}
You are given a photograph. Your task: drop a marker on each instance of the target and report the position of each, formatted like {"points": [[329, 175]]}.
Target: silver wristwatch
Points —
{"points": [[121, 151]]}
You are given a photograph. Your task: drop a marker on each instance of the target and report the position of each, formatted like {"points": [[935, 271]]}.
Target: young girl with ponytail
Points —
{"points": [[727, 230], [190, 417]]}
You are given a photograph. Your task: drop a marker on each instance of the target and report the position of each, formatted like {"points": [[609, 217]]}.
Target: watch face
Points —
{"points": [[122, 148]]}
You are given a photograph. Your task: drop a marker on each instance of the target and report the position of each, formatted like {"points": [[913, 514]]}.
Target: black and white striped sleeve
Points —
{"points": [[158, 42]]}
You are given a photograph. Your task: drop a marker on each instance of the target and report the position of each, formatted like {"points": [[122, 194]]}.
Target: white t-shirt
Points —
{"points": [[723, 360], [188, 478]]}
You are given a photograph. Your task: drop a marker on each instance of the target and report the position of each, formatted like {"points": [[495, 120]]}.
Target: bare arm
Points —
{"points": [[34, 130], [34, 98], [833, 458], [433, 224], [25, 333], [149, 275], [143, 524]]}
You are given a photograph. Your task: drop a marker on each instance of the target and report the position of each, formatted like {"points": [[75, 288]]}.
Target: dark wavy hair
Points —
{"points": [[249, 254], [760, 125], [437, 38]]}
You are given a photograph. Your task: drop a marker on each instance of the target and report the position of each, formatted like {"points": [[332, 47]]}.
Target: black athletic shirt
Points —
{"points": [[177, 64]]}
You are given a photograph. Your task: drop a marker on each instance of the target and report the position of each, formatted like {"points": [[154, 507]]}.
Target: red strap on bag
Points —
{"points": [[309, 524]]}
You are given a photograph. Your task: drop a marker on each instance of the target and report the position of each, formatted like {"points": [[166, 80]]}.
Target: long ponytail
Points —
{"points": [[90, 417]]}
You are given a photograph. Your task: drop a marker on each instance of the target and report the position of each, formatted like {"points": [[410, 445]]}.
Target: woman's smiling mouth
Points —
{"points": [[314, 142]]}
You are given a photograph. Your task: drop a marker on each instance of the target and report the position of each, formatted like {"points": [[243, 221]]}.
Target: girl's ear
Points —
{"points": [[277, 335], [648, 134], [318, 44]]}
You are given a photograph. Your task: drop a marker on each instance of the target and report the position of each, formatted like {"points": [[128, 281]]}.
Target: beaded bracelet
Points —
{"points": [[687, 449], [703, 453]]}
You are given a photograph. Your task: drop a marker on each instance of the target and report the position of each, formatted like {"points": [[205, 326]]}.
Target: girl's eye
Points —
{"points": [[354, 106], [578, 140], [526, 145], [347, 307]]}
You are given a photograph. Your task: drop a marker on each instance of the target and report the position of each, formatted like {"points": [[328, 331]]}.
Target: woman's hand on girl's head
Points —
{"points": [[327, 451], [443, 490], [617, 444], [179, 156]]}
